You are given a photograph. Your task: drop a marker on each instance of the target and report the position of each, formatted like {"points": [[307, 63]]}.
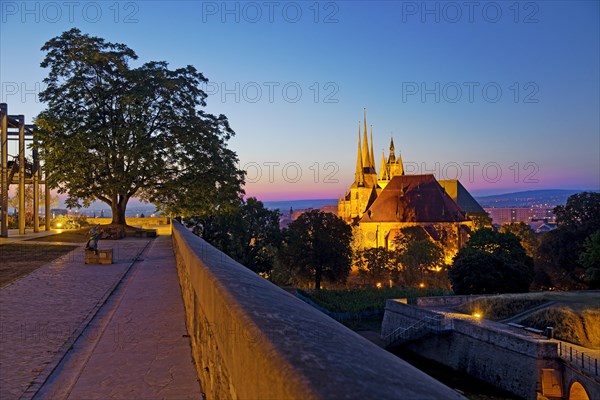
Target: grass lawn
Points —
{"points": [[368, 299], [579, 326], [71, 236], [18, 259]]}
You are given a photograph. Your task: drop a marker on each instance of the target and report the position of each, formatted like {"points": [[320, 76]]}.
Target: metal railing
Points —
{"points": [[423, 326], [578, 359]]}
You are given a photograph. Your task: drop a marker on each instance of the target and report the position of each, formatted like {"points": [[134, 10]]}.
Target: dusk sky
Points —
{"points": [[506, 95]]}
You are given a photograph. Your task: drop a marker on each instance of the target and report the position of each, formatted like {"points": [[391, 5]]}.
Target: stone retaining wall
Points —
{"points": [[252, 340], [506, 360]]}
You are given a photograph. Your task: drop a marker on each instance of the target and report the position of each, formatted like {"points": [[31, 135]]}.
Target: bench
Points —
{"points": [[99, 256]]}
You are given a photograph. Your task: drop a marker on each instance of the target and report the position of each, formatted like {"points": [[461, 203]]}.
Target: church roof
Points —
{"points": [[461, 196], [413, 198]]}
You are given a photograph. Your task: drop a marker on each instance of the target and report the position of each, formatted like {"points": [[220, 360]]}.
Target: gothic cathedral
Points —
{"points": [[379, 206]]}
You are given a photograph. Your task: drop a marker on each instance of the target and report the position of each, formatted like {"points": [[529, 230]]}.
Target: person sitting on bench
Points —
{"points": [[95, 234]]}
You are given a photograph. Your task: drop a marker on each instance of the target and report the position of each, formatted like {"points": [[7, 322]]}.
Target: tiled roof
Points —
{"points": [[413, 198]]}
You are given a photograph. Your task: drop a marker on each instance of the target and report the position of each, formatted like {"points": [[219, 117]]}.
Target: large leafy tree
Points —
{"points": [[112, 132], [14, 202], [419, 255], [377, 264], [558, 256], [317, 245], [590, 259], [249, 234], [420, 259], [491, 262], [525, 234], [582, 210]]}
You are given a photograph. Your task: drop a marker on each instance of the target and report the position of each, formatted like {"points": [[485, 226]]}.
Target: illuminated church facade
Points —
{"points": [[378, 205]]}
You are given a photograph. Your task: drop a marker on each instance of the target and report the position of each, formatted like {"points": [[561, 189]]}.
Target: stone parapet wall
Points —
{"points": [[252, 340]]}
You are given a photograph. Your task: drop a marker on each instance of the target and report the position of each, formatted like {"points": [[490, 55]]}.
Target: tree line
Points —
{"points": [[317, 248]]}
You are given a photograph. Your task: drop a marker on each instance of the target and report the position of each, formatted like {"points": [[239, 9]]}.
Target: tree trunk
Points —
{"points": [[318, 274], [118, 211]]}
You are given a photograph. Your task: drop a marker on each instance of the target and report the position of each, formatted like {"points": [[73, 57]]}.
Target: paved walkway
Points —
{"points": [[13, 235], [67, 331]]}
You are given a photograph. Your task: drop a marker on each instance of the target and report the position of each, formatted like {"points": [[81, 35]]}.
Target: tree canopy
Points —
{"points": [[111, 132], [558, 257], [249, 234], [525, 234], [420, 259], [317, 245], [590, 259], [581, 211], [377, 264], [491, 262]]}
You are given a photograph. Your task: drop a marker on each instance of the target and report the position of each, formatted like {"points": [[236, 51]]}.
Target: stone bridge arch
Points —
{"points": [[577, 392]]}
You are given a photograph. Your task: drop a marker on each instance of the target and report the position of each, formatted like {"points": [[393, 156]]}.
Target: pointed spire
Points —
{"points": [[399, 162], [359, 162], [383, 175], [365, 146], [371, 152], [392, 158]]}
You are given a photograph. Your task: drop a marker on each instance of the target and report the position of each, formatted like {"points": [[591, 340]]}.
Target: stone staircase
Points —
{"points": [[435, 324]]}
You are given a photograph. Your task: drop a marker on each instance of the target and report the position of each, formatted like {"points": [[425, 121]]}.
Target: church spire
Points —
{"points": [[359, 162], [365, 146], [392, 158], [372, 154], [400, 165], [383, 174]]}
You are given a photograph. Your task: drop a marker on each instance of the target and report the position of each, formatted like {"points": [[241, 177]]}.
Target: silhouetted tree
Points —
{"points": [[317, 245], [581, 211], [558, 255], [249, 234], [112, 132], [590, 259], [491, 262]]}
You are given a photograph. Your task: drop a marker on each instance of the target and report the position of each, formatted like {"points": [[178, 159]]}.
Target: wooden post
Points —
{"points": [[21, 174], [4, 177], [36, 190], [46, 198]]}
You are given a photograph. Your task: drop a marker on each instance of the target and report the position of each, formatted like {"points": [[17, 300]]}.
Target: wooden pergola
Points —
{"points": [[21, 171]]}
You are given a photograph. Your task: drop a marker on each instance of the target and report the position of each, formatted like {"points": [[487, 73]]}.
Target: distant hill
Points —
{"points": [[284, 205], [531, 198], [547, 198]]}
